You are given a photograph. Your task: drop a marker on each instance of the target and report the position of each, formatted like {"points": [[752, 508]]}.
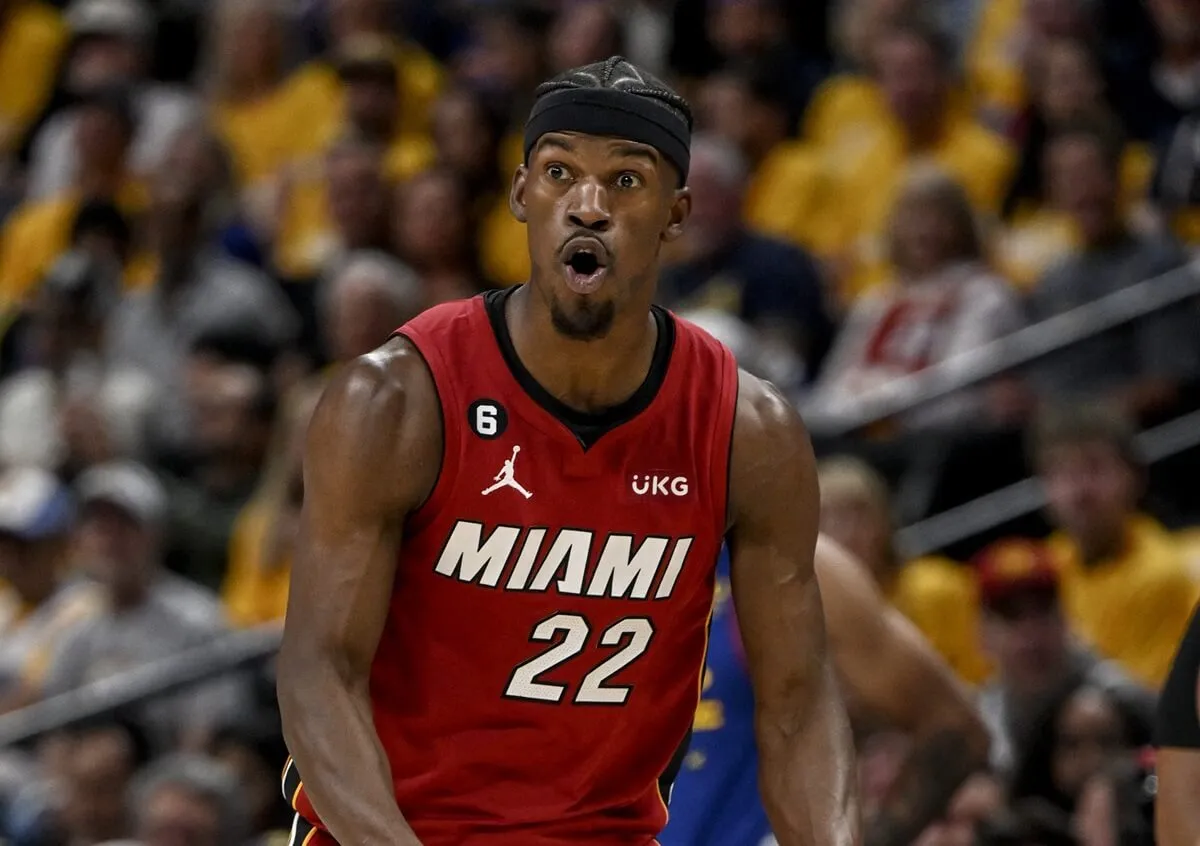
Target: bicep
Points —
{"points": [[774, 502], [367, 464]]}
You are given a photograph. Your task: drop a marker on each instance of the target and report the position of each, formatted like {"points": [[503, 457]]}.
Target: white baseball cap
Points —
{"points": [[34, 505], [127, 485]]}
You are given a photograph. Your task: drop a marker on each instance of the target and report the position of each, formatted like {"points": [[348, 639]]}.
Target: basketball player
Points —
{"points": [[888, 673], [488, 646], [1177, 761]]}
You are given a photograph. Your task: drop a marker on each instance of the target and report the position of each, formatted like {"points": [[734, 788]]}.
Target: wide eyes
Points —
{"points": [[626, 180]]}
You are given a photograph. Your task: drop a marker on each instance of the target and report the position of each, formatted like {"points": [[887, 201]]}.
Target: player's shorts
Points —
{"points": [[305, 833]]}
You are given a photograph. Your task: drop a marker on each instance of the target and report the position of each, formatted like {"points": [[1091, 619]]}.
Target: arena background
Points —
{"points": [[958, 233]]}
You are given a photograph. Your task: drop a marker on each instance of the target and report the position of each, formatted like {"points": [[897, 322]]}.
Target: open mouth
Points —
{"points": [[585, 264]]}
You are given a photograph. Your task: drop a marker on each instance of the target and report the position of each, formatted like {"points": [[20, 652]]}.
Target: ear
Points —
{"points": [[516, 194], [681, 210]]}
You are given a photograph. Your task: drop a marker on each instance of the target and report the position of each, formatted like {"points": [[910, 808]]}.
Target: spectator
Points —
{"points": [[371, 297], [250, 107], [41, 229], [585, 32], [936, 594], [205, 289], [1008, 41], [913, 66], [1068, 87], [1081, 734], [789, 188], [1138, 366], [505, 55], [348, 210], [34, 36], [748, 29], [1025, 635], [434, 234], [232, 406], [104, 758], [942, 303], [147, 615], [71, 408], [774, 287], [110, 48], [468, 131], [253, 753], [848, 108], [39, 602], [260, 551], [367, 67], [1126, 589], [316, 96], [188, 800]]}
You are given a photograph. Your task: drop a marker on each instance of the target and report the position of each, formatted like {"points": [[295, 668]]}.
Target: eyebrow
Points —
{"points": [[556, 141], [638, 152]]}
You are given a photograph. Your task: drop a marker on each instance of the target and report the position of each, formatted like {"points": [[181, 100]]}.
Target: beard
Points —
{"points": [[586, 321]]}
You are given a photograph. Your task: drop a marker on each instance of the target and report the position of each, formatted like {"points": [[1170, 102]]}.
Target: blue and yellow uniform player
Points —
{"points": [[887, 672]]}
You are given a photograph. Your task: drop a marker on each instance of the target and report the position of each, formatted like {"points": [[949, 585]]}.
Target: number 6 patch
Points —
{"points": [[487, 418]]}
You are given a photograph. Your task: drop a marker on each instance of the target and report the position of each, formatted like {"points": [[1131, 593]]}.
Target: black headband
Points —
{"points": [[619, 114]]}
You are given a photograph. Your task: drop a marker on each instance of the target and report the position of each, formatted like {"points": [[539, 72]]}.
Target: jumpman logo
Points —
{"points": [[504, 479]]}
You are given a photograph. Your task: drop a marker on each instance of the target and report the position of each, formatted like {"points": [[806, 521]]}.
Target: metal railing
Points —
{"points": [[1022, 347], [165, 676], [1025, 497], [247, 648]]}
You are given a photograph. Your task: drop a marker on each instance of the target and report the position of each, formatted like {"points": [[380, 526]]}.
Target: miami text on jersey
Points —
{"points": [[620, 569]]}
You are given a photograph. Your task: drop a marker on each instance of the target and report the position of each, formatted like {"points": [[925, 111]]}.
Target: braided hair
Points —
{"points": [[619, 74]]}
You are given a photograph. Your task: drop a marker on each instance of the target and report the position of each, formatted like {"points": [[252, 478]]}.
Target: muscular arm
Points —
{"points": [[371, 457], [889, 670], [805, 748]]}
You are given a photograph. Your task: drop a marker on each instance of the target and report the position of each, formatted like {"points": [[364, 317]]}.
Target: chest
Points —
{"points": [[531, 511]]}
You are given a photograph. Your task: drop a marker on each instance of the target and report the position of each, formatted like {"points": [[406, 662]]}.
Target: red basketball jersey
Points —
{"points": [[542, 661]]}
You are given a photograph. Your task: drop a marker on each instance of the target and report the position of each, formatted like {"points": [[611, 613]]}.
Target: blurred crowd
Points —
{"points": [[207, 204]]}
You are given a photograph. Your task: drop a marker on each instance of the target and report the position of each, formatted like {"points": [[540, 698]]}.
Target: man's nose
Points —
{"points": [[589, 207]]}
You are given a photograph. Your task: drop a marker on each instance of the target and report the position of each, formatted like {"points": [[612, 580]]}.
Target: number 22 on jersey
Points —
{"points": [[571, 631]]}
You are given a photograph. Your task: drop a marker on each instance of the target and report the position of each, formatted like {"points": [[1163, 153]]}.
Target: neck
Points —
{"points": [[1097, 548], [585, 375], [923, 134], [101, 181], [249, 88], [128, 597], [1111, 234]]}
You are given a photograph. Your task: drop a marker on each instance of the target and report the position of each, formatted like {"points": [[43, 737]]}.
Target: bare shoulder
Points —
{"points": [[377, 430], [772, 453]]}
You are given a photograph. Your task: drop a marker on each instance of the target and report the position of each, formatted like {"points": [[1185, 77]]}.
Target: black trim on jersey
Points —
{"points": [[672, 771], [1178, 722], [737, 395], [587, 426]]}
